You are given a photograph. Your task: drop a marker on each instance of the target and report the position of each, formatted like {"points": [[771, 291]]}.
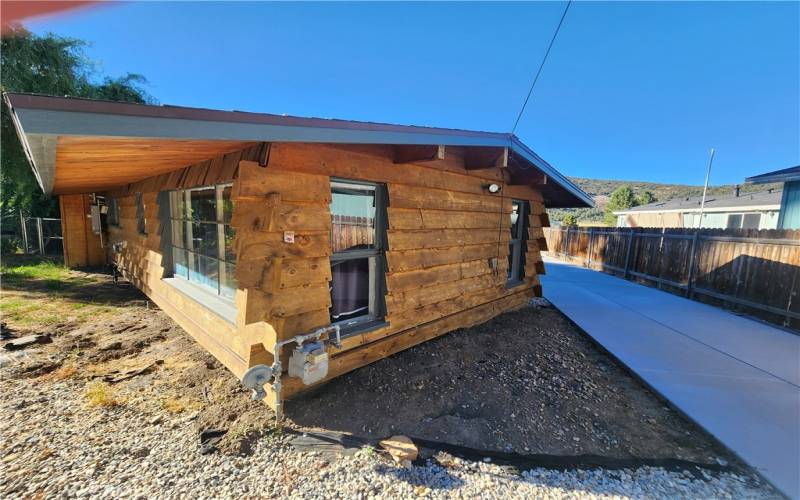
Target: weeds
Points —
{"points": [[175, 405], [62, 373], [101, 394]]}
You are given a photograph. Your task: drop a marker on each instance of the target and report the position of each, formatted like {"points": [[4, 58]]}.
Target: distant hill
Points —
{"points": [[601, 189]]}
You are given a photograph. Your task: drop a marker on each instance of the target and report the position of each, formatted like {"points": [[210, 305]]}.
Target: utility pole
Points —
{"points": [[705, 188]]}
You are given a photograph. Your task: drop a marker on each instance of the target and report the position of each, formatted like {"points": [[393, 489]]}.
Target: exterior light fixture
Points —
{"points": [[493, 188]]}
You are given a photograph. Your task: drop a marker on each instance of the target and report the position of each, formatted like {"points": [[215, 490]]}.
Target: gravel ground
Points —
{"points": [[135, 450], [167, 389]]}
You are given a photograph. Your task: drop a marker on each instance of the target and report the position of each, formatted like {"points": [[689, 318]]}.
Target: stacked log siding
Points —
{"points": [[446, 263]]}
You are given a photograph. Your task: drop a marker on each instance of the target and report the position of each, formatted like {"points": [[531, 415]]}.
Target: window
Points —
{"points": [[358, 241], [517, 247], [751, 221], [113, 212], [734, 221], [140, 220], [743, 221], [202, 238]]}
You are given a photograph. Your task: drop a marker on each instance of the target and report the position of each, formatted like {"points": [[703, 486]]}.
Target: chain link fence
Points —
{"points": [[32, 235]]}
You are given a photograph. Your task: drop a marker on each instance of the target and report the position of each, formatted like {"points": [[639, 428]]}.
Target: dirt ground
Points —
{"points": [[527, 381]]}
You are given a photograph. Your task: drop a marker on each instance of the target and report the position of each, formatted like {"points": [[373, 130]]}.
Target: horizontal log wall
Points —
{"points": [[448, 245], [447, 257]]}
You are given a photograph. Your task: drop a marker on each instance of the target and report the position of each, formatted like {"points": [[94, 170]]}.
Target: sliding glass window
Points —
{"points": [[202, 238], [357, 243]]}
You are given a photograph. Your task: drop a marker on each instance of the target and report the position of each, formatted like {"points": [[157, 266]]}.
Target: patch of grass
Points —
{"points": [[24, 312], [40, 291], [101, 394], [16, 270], [177, 405]]}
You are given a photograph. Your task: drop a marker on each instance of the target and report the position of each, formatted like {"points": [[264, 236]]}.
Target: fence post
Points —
{"points": [[24, 231], [589, 251], [628, 254], [692, 258], [566, 245], [40, 235]]}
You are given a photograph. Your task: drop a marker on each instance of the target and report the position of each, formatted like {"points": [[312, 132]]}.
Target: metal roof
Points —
{"points": [[41, 119], [784, 175], [762, 200]]}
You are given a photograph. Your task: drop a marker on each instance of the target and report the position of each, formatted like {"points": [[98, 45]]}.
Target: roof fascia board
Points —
{"points": [[108, 125], [100, 107], [45, 184], [518, 147], [767, 179]]}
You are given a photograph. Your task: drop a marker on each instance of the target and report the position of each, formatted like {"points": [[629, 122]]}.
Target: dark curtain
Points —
{"points": [[349, 289]]}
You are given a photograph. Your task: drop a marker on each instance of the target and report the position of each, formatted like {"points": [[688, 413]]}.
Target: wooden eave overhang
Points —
{"points": [[81, 145]]}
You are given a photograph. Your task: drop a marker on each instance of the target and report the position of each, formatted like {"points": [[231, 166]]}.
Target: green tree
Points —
{"points": [[51, 65], [646, 198], [622, 198], [569, 220]]}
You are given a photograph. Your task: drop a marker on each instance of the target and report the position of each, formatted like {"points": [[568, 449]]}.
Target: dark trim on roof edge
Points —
{"points": [[783, 175]]}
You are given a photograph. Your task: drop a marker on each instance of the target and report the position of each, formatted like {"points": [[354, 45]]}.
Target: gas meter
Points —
{"points": [[309, 362]]}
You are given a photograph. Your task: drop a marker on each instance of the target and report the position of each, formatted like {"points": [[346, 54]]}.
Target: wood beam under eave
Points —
{"points": [[410, 153], [525, 178], [482, 158]]}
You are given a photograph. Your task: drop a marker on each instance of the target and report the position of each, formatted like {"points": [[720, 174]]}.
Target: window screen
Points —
{"points": [[357, 244], [202, 238], [517, 246]]}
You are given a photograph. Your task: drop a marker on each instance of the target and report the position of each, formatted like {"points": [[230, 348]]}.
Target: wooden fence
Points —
{"points": [[751, 271]]}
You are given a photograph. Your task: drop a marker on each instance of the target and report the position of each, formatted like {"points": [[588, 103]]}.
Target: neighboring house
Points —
{"points": [[733, 211], [790, 201], [251, 229]]}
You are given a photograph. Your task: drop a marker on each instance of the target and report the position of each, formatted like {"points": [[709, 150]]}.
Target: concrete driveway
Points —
{"points": [[737, 378]]}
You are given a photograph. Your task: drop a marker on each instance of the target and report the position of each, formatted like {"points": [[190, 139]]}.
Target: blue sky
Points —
{"points": [[636, 91]]}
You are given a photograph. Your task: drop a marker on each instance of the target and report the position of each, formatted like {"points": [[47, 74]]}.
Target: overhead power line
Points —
{"points": [[536, 78]]}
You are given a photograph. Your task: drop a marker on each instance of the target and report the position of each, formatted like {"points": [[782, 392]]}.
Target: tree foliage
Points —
{"points": [[52, 65], [569, 220], [622, 198], [645, 198]]}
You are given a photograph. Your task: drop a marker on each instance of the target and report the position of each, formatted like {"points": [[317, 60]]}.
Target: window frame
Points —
{"points": [[518, 245], [141, 220], [376, 257], [185, 221], [113, 212]]}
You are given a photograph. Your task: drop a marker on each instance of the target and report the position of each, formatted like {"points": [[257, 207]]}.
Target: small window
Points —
{"points": [[141, 222], [357, 260], [517, 246], [202, 238], [751, 221], [734, 221], [113, 212]]}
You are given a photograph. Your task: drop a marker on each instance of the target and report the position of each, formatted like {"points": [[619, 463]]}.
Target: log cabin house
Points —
{"points": [[251, 229]]}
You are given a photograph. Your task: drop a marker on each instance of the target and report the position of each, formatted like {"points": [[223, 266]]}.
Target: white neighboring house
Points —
{"points": [[735, 211]]}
